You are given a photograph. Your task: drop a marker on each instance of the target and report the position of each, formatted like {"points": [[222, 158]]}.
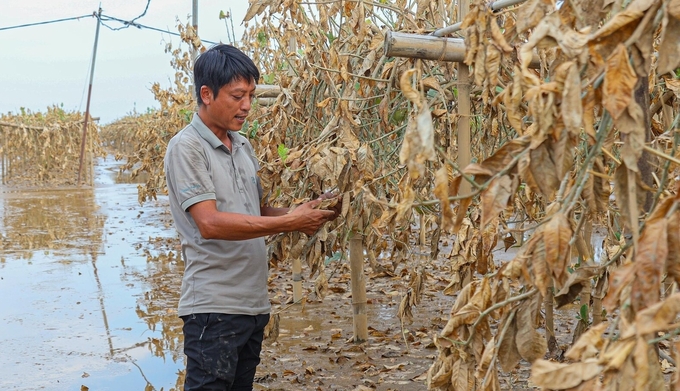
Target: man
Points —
{"points": [[211, 173]]}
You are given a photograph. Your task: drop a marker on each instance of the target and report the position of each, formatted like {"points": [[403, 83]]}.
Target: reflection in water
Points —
{"points": [[55, 220], [158, 306], [97, 300]]}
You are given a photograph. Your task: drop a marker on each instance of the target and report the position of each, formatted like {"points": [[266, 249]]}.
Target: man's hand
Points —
{"points": [[309, 218]]}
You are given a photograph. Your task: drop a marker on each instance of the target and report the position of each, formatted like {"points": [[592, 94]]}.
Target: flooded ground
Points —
{"points": [[90, 282], [76, 289]]}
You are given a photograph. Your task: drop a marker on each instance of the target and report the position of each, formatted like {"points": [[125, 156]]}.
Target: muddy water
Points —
{"points": [[80, 302]]}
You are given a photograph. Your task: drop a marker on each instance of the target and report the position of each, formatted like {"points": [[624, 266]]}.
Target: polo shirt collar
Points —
{"points": [[207, 134]]}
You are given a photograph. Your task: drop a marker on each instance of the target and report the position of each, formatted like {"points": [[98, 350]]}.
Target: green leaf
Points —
{"points": [[283, 152], [187, 114], [262, 38], [584, 312], [254, 127], [398, 116]]}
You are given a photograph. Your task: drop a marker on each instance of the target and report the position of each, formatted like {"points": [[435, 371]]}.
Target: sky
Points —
{"points": [[46, 65]]}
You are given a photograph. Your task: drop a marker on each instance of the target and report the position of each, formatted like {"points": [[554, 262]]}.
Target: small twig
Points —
{"points": [[661, 154], [600, 175], [611, 156], [489, 311], [666, 336]]}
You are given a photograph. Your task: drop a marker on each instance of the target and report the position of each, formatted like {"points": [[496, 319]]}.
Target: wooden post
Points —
{"points": [[548, 307], [463, 128], [356, 264], [89, 95], [297, 280]]}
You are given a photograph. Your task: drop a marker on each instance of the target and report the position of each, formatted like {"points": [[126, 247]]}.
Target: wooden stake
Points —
{"points": [[297, 280], [356, 264], [464, 88], [548, 307]]}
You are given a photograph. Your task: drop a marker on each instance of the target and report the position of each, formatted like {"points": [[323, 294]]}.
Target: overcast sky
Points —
{"points": [[49, 64]]}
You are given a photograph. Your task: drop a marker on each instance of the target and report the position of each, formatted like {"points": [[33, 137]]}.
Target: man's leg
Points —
{"points": [[199, 374], [222, 350], [249, 355]]}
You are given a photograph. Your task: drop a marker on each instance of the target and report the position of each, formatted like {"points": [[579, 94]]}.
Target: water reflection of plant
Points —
{"points": [[158, 306], [56, 221]]}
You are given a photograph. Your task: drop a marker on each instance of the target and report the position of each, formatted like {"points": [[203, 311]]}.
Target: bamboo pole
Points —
{"points": [[297, 280], [428, 47], [266, 101], [356, 262], [267, 91], [463, 126], [494, 7]]}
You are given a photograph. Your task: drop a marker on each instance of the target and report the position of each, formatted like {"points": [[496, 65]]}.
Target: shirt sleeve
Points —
{"points": [[187, 167]]}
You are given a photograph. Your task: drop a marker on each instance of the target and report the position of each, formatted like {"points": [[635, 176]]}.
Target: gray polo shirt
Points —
{"points": [[220, 276]]}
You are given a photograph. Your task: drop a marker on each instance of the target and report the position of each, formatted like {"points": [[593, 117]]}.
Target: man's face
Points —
{"points": [[229, 110]]}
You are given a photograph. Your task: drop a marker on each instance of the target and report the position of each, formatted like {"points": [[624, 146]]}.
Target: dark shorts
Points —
{"points": [[222, 351]]}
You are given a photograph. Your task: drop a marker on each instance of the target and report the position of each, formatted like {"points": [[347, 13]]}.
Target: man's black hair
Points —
{"points": [[219, 66]]}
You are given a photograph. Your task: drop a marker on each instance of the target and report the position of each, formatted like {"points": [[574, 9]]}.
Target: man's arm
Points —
{"points": [[214, 224], [271, 211]]}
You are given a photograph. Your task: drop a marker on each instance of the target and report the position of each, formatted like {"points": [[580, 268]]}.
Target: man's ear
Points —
{"points": [[206, 95]]}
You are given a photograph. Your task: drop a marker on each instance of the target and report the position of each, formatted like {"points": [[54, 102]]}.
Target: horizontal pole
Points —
{"points": [[498, 5], [429, 47], [266, 101], [267, 91], [426, 47]]}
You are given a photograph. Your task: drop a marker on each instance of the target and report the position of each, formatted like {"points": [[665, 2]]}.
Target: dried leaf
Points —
{"points": [[673, 259], [530, 14], [556, 235], [575, 283], [669, 48], [508, 355], [544, 171], [418, 144], [658, 317], [627, 200], [557, 376], [588, 345], [572, 111], [649, 261], [496, 197], [441, 191], [647, 369], [531, 345], [635, 10], [619, 82]]}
